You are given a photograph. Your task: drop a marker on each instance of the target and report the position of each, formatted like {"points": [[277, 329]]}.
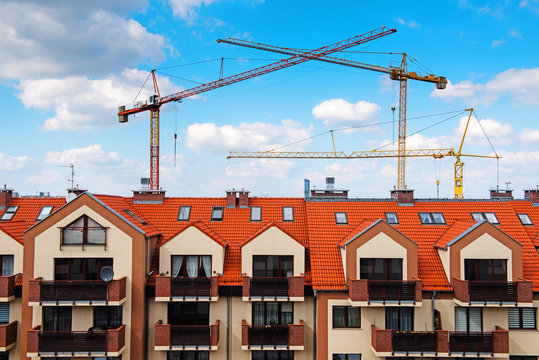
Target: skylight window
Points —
{"points": [[432, 218], [9, 213], [256, 213], [340, 218], [136, 217], [525, 219], [185, 213], [217, 213], [45, 211], [391, 218], [488, 216], [288, 213]]}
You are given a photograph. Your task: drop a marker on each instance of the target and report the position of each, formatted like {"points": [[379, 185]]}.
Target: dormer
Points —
{"points": [[377, 277]]}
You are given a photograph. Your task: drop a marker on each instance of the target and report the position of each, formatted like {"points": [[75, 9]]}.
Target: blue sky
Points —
{"points": [[68, 65]]}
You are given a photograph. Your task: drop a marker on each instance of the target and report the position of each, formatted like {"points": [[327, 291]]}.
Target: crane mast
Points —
{"points": [[155, 101]]}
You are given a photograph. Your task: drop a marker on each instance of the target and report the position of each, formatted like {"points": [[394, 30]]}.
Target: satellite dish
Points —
{"points": [[107, 274]]}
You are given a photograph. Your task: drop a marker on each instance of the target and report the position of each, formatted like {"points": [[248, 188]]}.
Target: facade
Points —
{"points": [[240, 277]]}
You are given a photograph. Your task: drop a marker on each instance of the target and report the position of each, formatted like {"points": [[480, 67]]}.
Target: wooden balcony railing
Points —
{"points": [[273, 336], [77, 291], [479, 343], [414, 341], [382, 291], [493, 292], [182, 288], [109, 342], [397, 343], [170, 337], [7, 287], [8, 336], [273, 287]]}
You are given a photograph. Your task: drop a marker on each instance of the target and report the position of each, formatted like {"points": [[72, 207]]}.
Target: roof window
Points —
{"points": [[136, 217], [488, 216], [217, 213], [391, 218], [9, 213], [525, 219], [432, 218], [185, 213], [288, 213], [256, 213], [340, 218], [45, 211]]}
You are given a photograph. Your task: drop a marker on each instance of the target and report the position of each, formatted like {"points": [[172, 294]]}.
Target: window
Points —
{"points": [[468, 319], [485, 269], [288, 213], [521, 318], [488, 216], [217, 213], [185, 213], [346, 317], [84, 231], [189, 313], [525, 219], [57, 318], [9, 213], [346, 356], [6, 265], [400, 319], [432, 218], [340, 218], [273, 265], [273, 355], [188, 355], [256, 213], [45, 211], [4, 313], [136, 217], [191, 266], [380, 269], [108, 317], [391, 218], [273, 313], [80, 269]]}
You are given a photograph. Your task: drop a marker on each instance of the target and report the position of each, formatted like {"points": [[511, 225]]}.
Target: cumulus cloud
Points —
{"points": [[93, 154], [247, 136], [496, 43], [339, 112], [186, 9], [261, 168], [409, 23], [13, 163]]}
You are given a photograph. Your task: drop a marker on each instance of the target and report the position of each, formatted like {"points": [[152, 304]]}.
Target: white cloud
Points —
{"points": [[496, 43], [13, 163], [530, 135], [186, 9], [493, 128], [93, 154], [247, 136], [463, 90], [261, 168], [339, 112], [82, 104], [515, 33], [409, 23]]}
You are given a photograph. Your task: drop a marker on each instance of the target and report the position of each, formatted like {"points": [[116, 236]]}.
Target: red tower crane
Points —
{"points": [[155, 101]]}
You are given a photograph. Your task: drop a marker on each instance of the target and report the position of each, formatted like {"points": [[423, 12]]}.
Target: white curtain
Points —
{"points": [[192, 266], [206, 265], [177, 262], [7, 265], [96, 233], [73, 233]]}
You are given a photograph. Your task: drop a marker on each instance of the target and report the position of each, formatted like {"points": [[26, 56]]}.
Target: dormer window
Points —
{"points": [[185, 213], [340, 218], [217, 213], [432, 218], [273, 265], [380, 269], [288, 213], [485, 269], [391, 218], [191, 266], [256, 213], [525, 219], [488, 216], [84, 231], [9, 213], [45, 211]]}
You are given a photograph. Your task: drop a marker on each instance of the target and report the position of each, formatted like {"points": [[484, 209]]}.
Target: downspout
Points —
{"points": [[433, 309], [314, 324]]}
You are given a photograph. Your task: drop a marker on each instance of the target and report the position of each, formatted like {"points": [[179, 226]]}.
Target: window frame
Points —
{"points": [[251, 214], [188, 212], [42, 216], [430, 216], [337, 222], [85, 229], [280, 269], [521, 318], [217, 208], [485, 217], [399, 311], [396, 218], [284, 217], [183, 272], [10, 210], [280, 312], [467, 311], [346, 317], [348, 357], [135, 216], [386, 265], [526, 217]]}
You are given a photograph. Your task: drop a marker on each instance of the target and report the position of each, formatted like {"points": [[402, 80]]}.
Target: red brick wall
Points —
{"points": [[358, 289], [461, 289], [33, 339], [5, 197], [162, 334], [157, 196], [214, 334], [500, 341], [296, 286], [244, 333], [418, 290], [34, 295], [162, 286], [246, 289], [116, 339], [403, 196], [442, 341], [214, 286], [532, 195], [116, 289], [230, 199], [243, 199], [296, 334], [382, 340], [7, 285], [524, 291]]}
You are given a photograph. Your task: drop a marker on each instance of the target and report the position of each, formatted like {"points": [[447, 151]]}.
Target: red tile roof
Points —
{"points": [[455, 230], [365, 224], [30, 207], [200, 225], [265, 228], [14, 229]]}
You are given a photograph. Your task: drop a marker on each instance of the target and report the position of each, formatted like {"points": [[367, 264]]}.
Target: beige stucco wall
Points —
{"points": [[273, 242], [119, 248], [191, 241], [524, 342], [486, 247], [382, 246], [444, 257], [15, 307], [10, 246]]}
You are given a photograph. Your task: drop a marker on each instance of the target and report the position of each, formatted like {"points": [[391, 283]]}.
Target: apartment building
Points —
{"points": [[241, 277]]}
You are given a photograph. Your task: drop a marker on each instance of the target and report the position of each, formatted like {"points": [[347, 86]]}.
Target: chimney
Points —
{"points": [[5, 196], [329, 192], [77, 191], [532, 195], [244, 199], [231, 199], [403, 196], [505, 194], [148, 196]]}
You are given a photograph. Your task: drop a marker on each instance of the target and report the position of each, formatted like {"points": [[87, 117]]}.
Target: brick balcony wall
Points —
{"points": [[214, 334], [244, 333], [8, 334], [162, 334], [7, 286], [33, 339], [524, 291], [35, 290], [461, 289], [116, 339], [358, 289], [296, 286], [116, 289], [442, 341], [500, 341], [418, 290], [246, 288], [296, 333], [382, 340]]}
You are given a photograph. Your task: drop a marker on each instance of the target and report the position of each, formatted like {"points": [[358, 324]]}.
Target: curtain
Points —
{"points": [[475, 319], [95, 236], [338, 316], [272, 313], [258, 314], [64, 318], [287, 313], [353, 316], [177, 261], [7, 265], [206, 265], [460, 319], [407, 319], [192, 266], [73, 233]]}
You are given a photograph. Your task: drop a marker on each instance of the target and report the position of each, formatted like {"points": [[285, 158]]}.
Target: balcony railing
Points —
{"points": [[52, 343], [493, 292], [179, 337], [273, 336], [273, 288], [54, 292], [479, 343], [8, 336], [385, 291], [169, 288], [7, 287]]}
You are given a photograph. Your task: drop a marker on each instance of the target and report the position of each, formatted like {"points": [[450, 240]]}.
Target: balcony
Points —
{"points": [[492, 293], [7, 288], [186, 337], [76, 292], [169, 288], [272, 337], [273, 288], [76, 343], [363, 292], [480, 344], [8, 336]]}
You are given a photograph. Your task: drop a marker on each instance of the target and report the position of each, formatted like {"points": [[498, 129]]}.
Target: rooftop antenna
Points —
{"points": [[72, 180]]}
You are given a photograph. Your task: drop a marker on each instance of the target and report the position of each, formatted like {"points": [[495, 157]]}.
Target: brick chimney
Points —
{"points": [[5, 196], [403, 196], [231, 199], [243, 199], [532, 195], [148, 196], [501, 194]]}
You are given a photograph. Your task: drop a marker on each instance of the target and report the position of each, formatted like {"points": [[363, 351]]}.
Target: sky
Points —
{"points": [[67, 66]]}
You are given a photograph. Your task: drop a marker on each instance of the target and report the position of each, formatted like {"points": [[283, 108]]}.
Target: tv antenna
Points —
{"points": [[72, 180]]}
